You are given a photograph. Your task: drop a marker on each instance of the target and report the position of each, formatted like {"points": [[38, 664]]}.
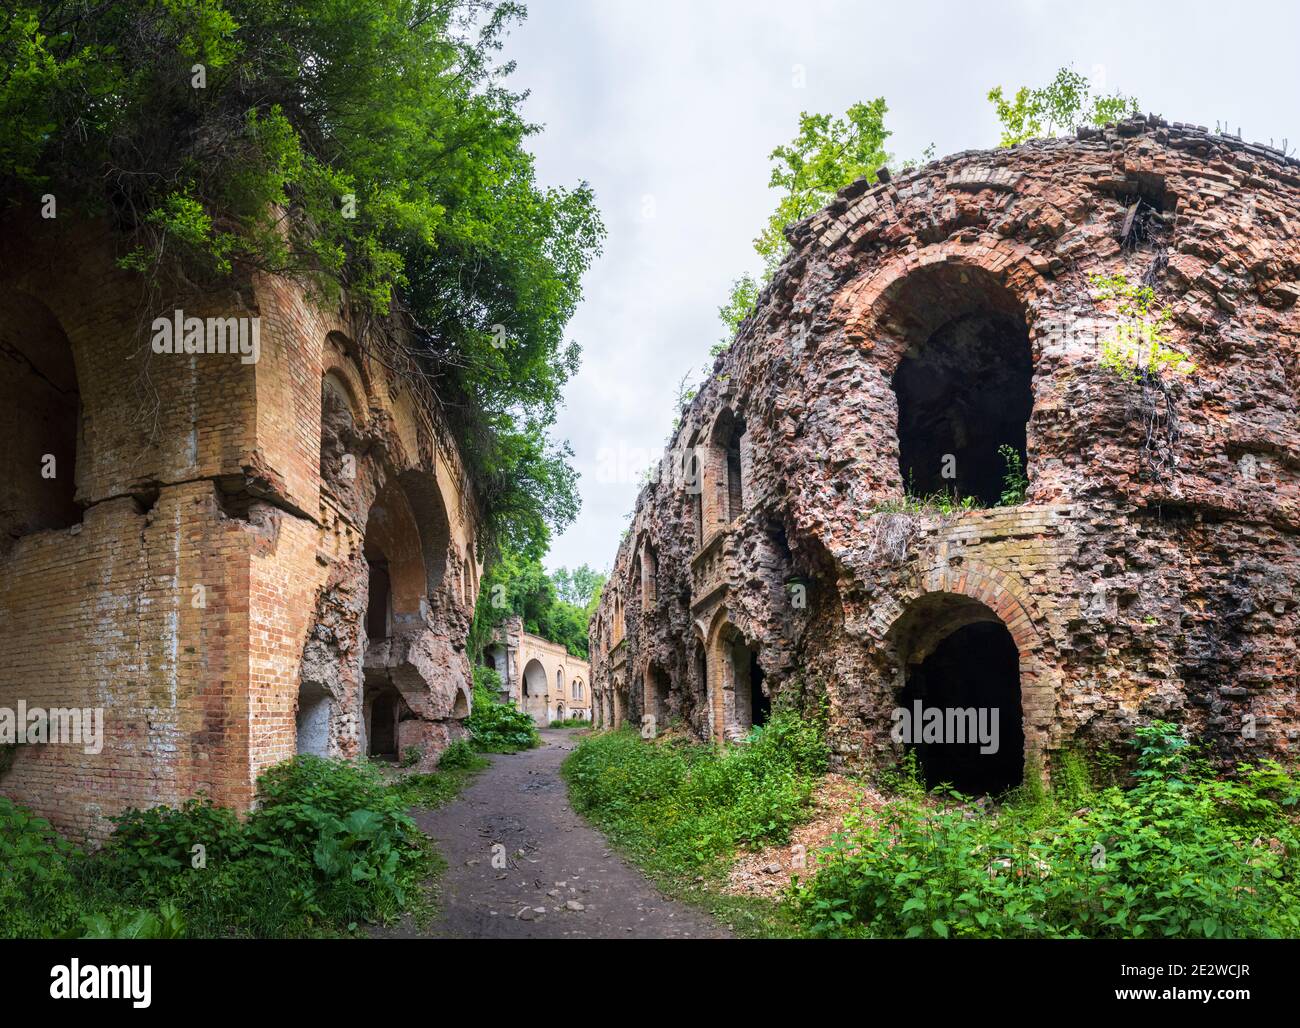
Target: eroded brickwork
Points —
{"points": [[201, 562], [1152, 568]]}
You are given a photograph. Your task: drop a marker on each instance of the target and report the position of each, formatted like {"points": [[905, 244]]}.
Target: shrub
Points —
{"points": [[330, 845], [1179, 854], [680, 806]]}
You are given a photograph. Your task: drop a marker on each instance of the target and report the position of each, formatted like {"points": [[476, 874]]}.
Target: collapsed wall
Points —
{"points": [[921, 333], [232, 556]]}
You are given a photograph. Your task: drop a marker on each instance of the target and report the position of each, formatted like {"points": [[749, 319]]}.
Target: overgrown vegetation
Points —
{"points": [[328, 849], [1178, 853], [1063, 105], [371, 147], [497, 727], [1139, 348], [680, 808]]}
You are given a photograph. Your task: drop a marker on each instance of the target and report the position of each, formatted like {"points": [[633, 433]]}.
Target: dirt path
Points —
{"points": [[565, 883]]}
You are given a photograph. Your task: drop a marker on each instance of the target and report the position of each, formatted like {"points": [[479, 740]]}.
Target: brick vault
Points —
{"points": [[235, 560], [920, 332]]}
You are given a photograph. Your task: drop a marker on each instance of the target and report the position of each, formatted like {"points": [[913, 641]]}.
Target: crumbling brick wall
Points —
{"points": [[1152, 568], [195, 566]]}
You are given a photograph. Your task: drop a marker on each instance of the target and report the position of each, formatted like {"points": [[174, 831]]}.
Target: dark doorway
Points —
{"points": [[379, 602], [760, 705], [976, 668], [962, 394], [383, 727]]}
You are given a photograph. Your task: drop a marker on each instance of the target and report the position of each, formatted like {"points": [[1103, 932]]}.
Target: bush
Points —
{"points": [[680, 807], [329, 845], [1179, 854], [498, 727]]}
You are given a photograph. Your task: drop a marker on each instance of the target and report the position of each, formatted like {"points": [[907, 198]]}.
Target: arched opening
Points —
{"points": [[312, 721], [534, 691], [577, 689], [963, 386], [559, 712], [40, 421], [385, 709], [649, 576], [339, 439], [656, 694], [748, 703], [729, 443], [379, 600], [960, 705]]}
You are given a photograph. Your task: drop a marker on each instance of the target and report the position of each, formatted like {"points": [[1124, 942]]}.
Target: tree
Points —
{"points": [[1064, 105], [579, 586], [558, 608], [827, 154], [369, 146]]}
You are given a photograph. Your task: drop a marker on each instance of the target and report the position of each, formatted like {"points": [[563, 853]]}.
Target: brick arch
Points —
{"points": [[1007, 597], [1004, 592], [868, 306], [340, 354]]}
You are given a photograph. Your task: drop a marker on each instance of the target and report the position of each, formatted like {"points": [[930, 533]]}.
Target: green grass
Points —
{"points": [[571, 722], [680, 810]]}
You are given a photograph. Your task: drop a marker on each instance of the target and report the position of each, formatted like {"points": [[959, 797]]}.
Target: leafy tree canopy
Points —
{"points": [[1063, 105], [556, 607], [368, 146]]}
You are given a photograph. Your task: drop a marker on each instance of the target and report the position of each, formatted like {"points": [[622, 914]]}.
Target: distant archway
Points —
{"points": [[534, 690]]}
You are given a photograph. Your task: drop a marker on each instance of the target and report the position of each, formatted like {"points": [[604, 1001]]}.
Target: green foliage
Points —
{"points": [[1014, 480], [1140, 348], [571, 722], [826, 155], [943, 503], [456, 764], [369, 146], [517, 583], [1180, 854], [497, 727], [1063, 105], [681, 807], [330, 845], [739, 305]]}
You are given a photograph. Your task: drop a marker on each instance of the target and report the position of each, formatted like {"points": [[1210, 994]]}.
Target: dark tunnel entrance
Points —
{"points": [[964, 382], [961, 396], [968, 676]]}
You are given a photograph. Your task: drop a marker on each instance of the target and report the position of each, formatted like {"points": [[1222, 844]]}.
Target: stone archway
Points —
{"points": [[959, 700], [534, 692]]}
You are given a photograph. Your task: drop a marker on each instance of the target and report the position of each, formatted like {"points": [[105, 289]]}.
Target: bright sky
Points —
{"points": [[669, 108]]}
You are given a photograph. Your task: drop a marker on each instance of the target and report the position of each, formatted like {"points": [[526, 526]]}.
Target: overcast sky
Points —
{"points": [[669, 108]]}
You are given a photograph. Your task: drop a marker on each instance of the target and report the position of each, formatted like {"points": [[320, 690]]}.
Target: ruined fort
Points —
{"points": [[538, 676], [235, 552], [924, 335]]}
